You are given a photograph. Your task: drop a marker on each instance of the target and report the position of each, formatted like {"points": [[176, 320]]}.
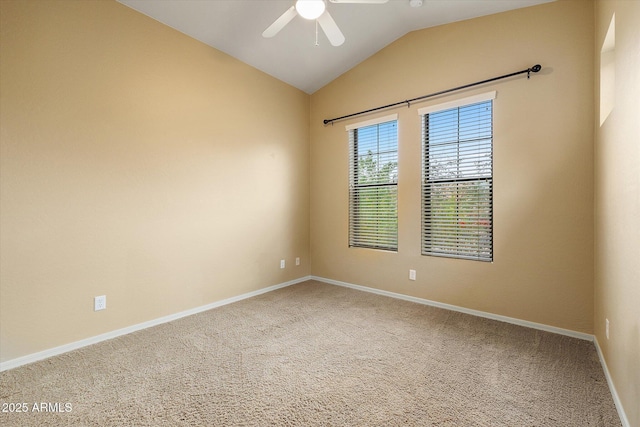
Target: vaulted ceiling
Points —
{"points": [[235, 27]]}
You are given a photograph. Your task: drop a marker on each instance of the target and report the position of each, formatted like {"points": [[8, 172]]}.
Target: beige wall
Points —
{"points": [[617, 202], [128, 169], [140, 164], [543, 164]]}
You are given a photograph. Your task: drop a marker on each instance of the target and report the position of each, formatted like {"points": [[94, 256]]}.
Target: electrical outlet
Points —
{"points": [[281, 263], [606, 328], [100, 303], [412, 275], [298, 261]]}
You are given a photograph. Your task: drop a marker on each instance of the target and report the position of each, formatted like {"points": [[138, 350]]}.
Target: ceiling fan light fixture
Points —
{"points": [[310, 9]]}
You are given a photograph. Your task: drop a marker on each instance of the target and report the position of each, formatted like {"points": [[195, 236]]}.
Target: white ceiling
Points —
{"points": [[235, 27]]}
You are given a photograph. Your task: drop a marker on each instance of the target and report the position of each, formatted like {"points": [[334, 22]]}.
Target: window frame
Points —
{"points": [[429, 227], [355, 238]]}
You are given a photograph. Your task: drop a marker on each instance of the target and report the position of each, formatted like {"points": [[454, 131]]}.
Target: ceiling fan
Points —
{"points": [[314, 10]]}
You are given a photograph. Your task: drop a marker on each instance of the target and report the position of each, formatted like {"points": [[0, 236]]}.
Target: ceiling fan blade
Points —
{"points": [[360, 1], [330, 28], [280, 23]]}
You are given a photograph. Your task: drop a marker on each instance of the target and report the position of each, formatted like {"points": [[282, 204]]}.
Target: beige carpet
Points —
{"points": [[320, 355]]}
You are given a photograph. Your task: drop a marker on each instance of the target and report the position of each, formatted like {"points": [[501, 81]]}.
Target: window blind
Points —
{"points": [[373, 186], [457, 182]]}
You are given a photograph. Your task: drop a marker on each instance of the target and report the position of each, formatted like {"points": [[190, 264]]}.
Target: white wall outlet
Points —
{"points": [[412, 275], [298, 261], [100, 303], [606, 328], [281, 263]]}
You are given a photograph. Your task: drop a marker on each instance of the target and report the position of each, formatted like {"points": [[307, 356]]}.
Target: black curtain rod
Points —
{"points": [[408, 102]]}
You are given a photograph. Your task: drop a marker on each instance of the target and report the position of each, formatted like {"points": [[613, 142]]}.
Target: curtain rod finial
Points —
{"points": [[533, 69]]}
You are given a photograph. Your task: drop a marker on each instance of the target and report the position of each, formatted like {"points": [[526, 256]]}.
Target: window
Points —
{"points": [[608, 72], [373, 184], [457, 179]]}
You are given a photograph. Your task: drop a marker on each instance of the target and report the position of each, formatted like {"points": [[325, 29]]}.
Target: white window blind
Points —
{"points": [[457, 181], [373, 185]]}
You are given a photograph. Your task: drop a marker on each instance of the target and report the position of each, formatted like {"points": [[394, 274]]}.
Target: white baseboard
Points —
{"points": [[14, 363], [30, 358], [534, 325], [612, 388]]}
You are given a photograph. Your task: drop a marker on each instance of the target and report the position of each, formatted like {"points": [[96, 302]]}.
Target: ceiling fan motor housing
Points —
{"points": [[310, 9]]}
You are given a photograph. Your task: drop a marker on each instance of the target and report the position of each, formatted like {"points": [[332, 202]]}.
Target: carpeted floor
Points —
{"points": [[314, 354]]}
